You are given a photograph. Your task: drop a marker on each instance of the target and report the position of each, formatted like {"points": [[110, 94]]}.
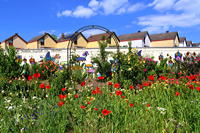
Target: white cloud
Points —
{"points": [[92, 32], [94, 4], [104, 7], [188, 6], [79, 12], [162, 5], [181, 13], [156, 23], [136, 7], [110, 6], [83, 12], [64, 13]]}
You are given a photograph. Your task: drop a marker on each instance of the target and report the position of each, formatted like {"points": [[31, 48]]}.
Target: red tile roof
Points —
{"points": [[15, 35], [99, 37], [133, 36], [41, 36], [164, 36]]}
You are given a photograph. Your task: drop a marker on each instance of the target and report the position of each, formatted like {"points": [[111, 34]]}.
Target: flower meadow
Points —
{"points": [[143, 96]]}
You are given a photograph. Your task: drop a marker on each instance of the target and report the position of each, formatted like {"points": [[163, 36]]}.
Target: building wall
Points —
{"points": [[32, 45], [163, 43], [148, 52], [95, 44], [49, 42], [62, 44], [3, 45], [176, 42], [134, 43], [19, 43], [183, 44], [114, 42], [81, 41], [147, 41]]}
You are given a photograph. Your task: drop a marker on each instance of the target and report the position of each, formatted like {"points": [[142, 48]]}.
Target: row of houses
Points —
{"points": [[138, 39]]}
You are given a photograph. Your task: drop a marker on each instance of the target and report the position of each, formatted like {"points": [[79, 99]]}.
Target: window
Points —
{"points": [[10, 42], [41, 42]]}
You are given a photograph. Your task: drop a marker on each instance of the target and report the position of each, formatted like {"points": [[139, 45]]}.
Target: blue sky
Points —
{"points": [[30, 18]]}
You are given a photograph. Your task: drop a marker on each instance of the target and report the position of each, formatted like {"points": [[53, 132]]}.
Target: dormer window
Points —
{"points": [[41, 42], [10, 42]]}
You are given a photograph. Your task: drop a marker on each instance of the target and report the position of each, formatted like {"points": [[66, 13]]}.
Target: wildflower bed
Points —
{"points": [[163, 105]]}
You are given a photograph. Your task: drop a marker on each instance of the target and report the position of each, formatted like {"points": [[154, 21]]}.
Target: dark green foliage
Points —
{"points": [[104, 67], [9, 67]]}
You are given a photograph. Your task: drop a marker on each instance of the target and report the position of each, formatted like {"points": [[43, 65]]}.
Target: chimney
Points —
{"points": [[139, 31]]}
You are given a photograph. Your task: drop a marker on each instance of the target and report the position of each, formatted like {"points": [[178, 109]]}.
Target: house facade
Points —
{"points": [[183, 42], [139, 39], [42, 41], [16, 41], [189, 43], [80, 41], [195, 44], [93, 41], [168, 39]]}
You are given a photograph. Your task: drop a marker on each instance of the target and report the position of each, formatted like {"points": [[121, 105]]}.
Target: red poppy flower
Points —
{"points": [[106, 112], [42, 86], [178, 93], [146, 84], [83, 83], [48, 87], [131, 104], [63, 89], [118, 93], [151, 77], [29, 77], [191, 77], [36, 75], [148, 105], [82, 107], [60, 103], [140, 86], [198, 88], [116, 85], [97, 88], [96, 109], [191, 87], [88, 102], [162, 78], [123, 97], [62, 96], [76, 96], [110, 83], [101, 78], [131, 87]]}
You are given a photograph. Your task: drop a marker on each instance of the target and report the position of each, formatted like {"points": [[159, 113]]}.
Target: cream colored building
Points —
{"points": [[80, 41], [168, 39], [42, 41], [16, 41], [93, 41]]}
